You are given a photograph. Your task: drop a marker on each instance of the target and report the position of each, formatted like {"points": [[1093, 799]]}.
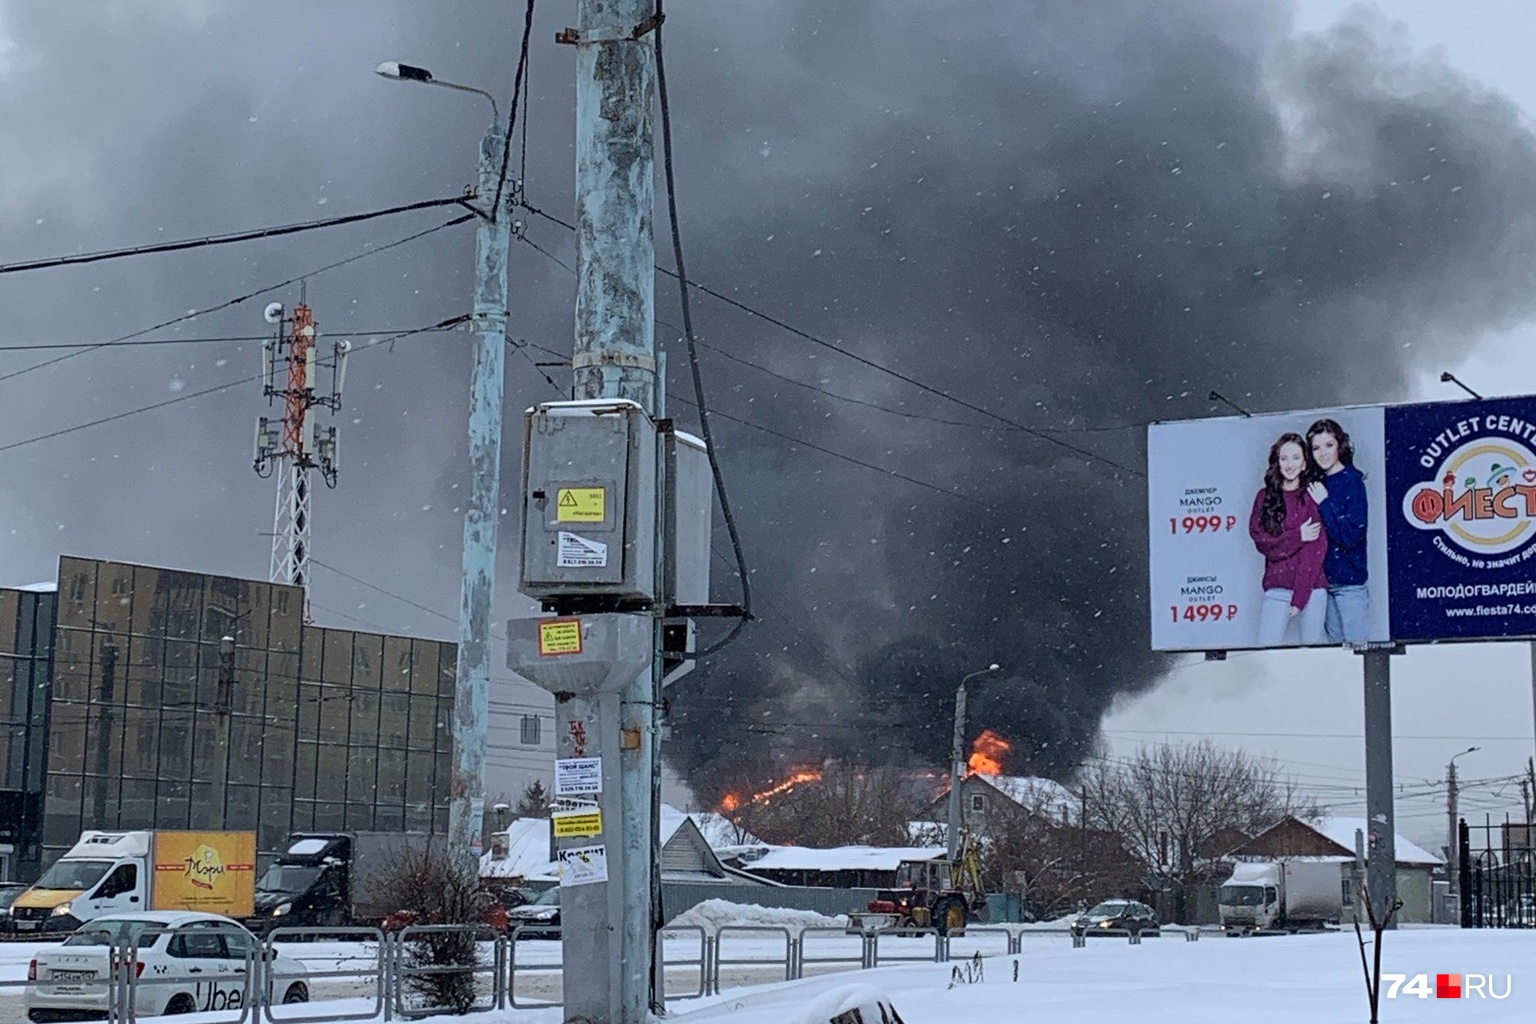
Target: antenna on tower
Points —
{"points": [[293, 446]]}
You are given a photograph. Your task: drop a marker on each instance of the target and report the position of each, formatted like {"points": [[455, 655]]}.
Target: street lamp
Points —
{"points": [[957, 762], [1453, 844], [411, 73], [1447, 377], [493, 237]]}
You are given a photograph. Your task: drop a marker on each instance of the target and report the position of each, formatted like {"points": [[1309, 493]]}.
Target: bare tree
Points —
{"points": [[1168, 802], [1054, 864], [845, 806]]}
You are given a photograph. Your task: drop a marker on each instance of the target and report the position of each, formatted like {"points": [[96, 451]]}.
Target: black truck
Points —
{"points": [[329, 879]]}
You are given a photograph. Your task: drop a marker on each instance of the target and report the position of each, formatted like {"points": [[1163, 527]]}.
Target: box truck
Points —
{"points": [[1283, 895], [116, 872], [331, 879]]}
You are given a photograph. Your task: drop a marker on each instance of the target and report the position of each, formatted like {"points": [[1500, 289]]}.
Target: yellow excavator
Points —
{"points": [[931, 894]]}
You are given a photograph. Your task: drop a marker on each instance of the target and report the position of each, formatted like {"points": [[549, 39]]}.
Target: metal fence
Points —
{"points": [[1498, 873], [389, 976]]}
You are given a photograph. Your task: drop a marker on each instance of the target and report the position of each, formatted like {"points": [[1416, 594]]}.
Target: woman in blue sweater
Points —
{"points": [[1340, 497]]}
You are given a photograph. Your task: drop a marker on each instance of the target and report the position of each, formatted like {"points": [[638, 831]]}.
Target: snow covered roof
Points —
{"points": [[527, 852], [528, 847], [842, 858], [45, 587], [721, 833], [1342, 831], [1045, 795]]}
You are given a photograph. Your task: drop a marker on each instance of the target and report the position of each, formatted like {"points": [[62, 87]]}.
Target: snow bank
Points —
{"points": [[711, 914], [824, 1007]]}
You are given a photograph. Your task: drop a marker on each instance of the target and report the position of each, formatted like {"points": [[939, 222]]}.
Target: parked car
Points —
{"points": [[187, 963], [539, 919], [1117, 916], [8, 893]]}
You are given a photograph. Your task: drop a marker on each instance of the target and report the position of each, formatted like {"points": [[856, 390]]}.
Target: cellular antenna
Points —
{"points": [[295, 445]]}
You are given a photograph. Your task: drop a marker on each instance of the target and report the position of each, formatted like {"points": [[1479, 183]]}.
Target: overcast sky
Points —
{"points": [[1012, 202]]}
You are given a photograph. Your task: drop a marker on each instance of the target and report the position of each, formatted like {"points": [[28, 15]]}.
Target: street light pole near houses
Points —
{"points": [[957, 764], [482, 509], [1453, 844]]}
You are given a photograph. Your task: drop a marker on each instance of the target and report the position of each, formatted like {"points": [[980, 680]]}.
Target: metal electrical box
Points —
{"points": [[589, 501], [691, 492]]}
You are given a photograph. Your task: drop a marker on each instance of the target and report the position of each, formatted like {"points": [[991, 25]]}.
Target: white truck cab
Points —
{"points": [[104, 873]]}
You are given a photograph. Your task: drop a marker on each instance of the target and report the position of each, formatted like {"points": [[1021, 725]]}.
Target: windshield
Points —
{"points": [[1108, 910], [288, 878], [74, 874], [548, 898], [1241, 896], [105, 931]]}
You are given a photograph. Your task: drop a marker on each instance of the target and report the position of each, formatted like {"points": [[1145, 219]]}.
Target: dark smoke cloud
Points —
{"points": [[1082, 216]]}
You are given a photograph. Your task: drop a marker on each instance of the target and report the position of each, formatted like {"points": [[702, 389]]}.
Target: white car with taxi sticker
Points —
{"points": [[187, 963]]}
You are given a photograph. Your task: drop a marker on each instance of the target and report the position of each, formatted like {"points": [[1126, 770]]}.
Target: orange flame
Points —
{"points": [[988, 753], [788, 784], [730, 802]]}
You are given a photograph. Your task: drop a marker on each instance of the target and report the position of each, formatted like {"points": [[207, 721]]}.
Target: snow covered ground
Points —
{"points": [[1307, 979]]}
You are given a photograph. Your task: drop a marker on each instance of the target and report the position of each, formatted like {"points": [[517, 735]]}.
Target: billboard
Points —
{"points": [[208, 871], [1462, 480], [1353, 526]]}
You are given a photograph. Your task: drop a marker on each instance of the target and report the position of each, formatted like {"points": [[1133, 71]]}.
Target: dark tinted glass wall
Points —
{"points": [[299, 728], [26, 631]]}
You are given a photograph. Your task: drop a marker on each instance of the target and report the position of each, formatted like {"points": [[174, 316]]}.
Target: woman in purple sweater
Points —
{"points": [[1287, 528]]}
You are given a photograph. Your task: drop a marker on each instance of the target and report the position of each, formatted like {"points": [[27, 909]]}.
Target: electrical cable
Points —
{"points": [[693, 353], [517, 91], [1037, 432], [226, 239], [848, 458], [207, 391], [364, 254], [212, 340]]}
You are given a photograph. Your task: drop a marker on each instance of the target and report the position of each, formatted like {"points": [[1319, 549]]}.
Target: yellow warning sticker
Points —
{"points": [[580, 505], [575, 824], [559, 636]]}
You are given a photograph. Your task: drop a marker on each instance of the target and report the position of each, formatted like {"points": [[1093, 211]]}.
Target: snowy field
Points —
{"points": [[1310, 979]]}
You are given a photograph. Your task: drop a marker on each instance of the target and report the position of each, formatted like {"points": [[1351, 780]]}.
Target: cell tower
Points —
{"points": [[292, 447]]}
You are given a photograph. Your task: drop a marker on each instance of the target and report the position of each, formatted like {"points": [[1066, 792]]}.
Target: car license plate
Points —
{"points": [[25, 926], [71, 975]]}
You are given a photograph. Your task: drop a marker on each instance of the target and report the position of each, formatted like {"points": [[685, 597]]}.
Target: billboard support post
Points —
{"points": [[1533, 694], [1381, 858]]}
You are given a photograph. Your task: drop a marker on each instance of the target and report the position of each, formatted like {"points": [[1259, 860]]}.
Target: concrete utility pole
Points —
{"points": [[1451, 793], [615, 357], [482, 510], [957, 765], [1381, 855]]}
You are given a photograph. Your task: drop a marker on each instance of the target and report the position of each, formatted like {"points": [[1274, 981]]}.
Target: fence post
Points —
{"points": [[940, 948]]}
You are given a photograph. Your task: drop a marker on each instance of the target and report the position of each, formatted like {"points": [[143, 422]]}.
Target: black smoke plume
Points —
{"points": [[1081, 216]]}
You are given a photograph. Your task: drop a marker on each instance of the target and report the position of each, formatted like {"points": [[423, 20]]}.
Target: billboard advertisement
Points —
{"points": [[1354, 526], [208, 871], [1463, 533], [1256, 544]]}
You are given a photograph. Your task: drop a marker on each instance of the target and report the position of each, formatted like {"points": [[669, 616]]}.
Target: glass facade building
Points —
{"points": [[26, 637], [153, 720]]}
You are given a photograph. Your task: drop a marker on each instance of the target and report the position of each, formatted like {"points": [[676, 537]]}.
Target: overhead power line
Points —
{"points": [[234, 236], [194, 340], [897, 474], [701, 404], [246, 297], [190, 395], [1036, 432], [517, 93]]}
